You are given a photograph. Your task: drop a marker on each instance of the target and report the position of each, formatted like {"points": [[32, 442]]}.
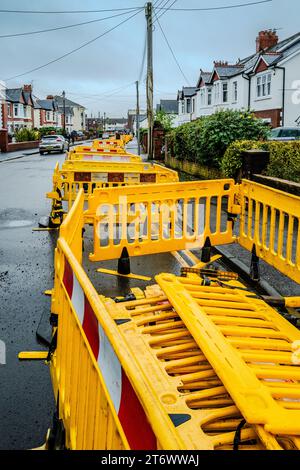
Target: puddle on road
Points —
{"points": [[15, 218]]}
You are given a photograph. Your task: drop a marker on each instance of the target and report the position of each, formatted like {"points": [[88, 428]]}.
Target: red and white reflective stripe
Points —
{"points": [[128, 408], [107, 158]]}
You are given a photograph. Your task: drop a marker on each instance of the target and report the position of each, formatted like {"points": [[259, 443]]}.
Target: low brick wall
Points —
{"points": [[203, 172], [22, 146], [278, 183]]}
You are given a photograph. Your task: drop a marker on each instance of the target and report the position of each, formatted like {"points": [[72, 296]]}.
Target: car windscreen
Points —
{"points": [[275, 132], [290, 133], [49, 137]]}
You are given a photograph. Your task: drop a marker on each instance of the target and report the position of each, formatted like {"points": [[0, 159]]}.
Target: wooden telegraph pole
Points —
{"points": [[148, 10], [137, 117]]}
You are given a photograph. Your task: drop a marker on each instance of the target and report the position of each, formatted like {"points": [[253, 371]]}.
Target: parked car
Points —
{"points": [[53, 143], [285, 133]]}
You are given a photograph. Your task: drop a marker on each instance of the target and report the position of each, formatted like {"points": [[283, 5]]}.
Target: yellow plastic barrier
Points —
{"points": [[108, 143], [270, 220], [159, 218], [106, 399], [107, 150], [103, 156], [76, 174], [248, 344]]}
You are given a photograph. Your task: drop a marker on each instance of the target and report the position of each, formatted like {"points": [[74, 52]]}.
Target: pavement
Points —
{"points": [[4, 157]]}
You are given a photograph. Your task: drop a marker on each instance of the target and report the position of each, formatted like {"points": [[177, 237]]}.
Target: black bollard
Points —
{"points": [[124, 262]]}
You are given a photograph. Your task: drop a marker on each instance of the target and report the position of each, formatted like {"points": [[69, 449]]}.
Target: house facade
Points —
{"points": [[265, 82], [17, 109], [186, 99], [46, 113], [75, 114]]}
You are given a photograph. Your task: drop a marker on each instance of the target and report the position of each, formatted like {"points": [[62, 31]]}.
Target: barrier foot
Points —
{"points": [[33, 355], [254, 266], [124, 262], [129, 276], [206, 251]]}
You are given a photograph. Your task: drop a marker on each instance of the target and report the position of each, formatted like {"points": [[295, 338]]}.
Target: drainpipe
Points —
{"points": [[248, 78], [283, 92]]}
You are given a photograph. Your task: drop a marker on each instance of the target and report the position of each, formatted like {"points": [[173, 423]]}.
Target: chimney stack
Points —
{"points": [[27, 88], [50, 97], [220, 63], [266, 39]]}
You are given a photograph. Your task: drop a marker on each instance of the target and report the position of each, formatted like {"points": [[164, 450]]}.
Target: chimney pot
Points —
{"points": [[266, 39], [27, 88], [50, 97]]}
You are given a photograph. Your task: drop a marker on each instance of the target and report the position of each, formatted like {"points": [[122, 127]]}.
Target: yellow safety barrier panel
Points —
{"points": [[248, 344], [104, 157], [108, 143], [106, 399], [270, 220], [191, 390], [77, 174], [109, 150], [160, 218]]}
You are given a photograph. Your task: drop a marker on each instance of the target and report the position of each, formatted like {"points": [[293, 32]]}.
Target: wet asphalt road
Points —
{"points": [[26, 270]]}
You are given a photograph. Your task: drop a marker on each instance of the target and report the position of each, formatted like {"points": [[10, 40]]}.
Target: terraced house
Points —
{"points": [[18, 109], [266, 82]]}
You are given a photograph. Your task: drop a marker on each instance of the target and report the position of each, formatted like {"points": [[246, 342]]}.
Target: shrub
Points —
{"points": [[26, 135], [284, 158], [50, 130], [205, 140]]}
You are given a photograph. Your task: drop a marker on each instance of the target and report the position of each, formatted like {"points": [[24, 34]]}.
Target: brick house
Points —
{"points": [[18, 108], [265, 82], [46, 113]]}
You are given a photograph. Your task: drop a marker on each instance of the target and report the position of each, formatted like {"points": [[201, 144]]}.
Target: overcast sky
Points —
{"points": [[109, 66]]}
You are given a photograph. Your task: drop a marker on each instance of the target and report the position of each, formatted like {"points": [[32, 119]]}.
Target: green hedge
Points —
{"points": [[284, 158], [205, 140], [26, 135]]}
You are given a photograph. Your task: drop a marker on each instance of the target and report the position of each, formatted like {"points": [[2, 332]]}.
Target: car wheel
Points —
{"points": [[41, 153]]}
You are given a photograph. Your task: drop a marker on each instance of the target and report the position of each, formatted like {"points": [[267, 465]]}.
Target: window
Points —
{"points": [[202, 97], [182, 107], [193, 105], [8, 110], [225, 92], [209, 96], [16, 110], [217, 93], [263, 85], [48, 118], [188, 105], [235, 91]]}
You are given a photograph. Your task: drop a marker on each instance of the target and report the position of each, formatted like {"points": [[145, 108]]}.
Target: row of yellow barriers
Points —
{"points": [[103, 163], [187, 365], [195, 361]]}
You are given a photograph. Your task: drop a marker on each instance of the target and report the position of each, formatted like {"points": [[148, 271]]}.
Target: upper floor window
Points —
{"points": [[8, 110], [209, 96], [235, 91], [202, 97], [263, 85], [16, 110], [193, 105], [217, 92], [182, 106], [225, 92], [48, 116], [188, 105]]}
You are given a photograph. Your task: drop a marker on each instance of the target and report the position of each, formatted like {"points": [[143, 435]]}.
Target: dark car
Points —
{"points": [[285, 133]]}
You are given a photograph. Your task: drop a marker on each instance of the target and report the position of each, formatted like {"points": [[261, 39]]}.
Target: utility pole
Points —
{"points": [[104, 122], [148, 9], [64, 111], [137, 117]]}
